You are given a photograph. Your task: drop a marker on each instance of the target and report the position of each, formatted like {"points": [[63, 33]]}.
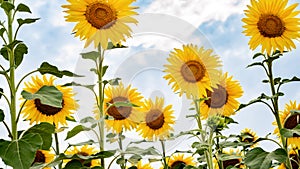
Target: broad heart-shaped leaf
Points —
{"points": [[290, 132], [7, 6], [53, 70], [45, 130], [257, 158], [76, 130], [20, 50], [2, 115], [26, 21], [48, 95], [91, 55], [23, 8], [20, 153]]}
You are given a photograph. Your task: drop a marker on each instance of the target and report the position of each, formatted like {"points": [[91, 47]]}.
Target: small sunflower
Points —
{"points": [[140, 165], [295, 159], [99, 21], [249, 136], [290, 121], [179, 161], [231, 162], [124, 118], [157, 120], [192, 70], [271, 24], [85, 150], [222, 99], [37, 112], [43, 157]]}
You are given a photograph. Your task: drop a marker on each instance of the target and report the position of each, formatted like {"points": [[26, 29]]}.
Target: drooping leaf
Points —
{"points": [[76, 130], [255, 64], [45, 130], [257, 55], [89, 142], [91, 55], [20, 50], [135, 158], [290, 132], [47, 68], [7, 6], [104, 69], [142, 152], [2, 115], [20, 153], [4, 52], [91, 87], [120, 161], [112, 46], [23, 8], [26, 21], [48, 95], [294, 79]]}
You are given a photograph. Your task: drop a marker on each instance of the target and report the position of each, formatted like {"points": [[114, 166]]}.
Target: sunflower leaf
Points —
{"points": [[2, 115], [47, 68], [290, 132], [23, 8], [255, 64], [26, 21], [2, 30], [91, 87], [257, 158], [89, 142], [135, 158], [257, 55], [91, 55], [20, 50], [73, 164], [7, 6], [20, 153], [112, 46], [48, 95], [76, 130], [45, 130], [294, 79]]}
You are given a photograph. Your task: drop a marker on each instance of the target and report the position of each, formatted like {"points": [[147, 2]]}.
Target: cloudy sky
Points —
{"points": [[163, 26]]}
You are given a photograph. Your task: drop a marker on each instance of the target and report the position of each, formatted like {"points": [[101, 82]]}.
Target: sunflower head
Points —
{"points": [[289, 121], [231, 161], [192, 70], [271, 24], [37, 112], [101, 21], [222, 100], [157, 119], [85, 150], [43, 157], [140, 165], [180, 161], [249, 136]]}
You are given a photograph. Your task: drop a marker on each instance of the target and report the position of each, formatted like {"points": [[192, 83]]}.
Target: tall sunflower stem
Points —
{"points": [[122, 165], [164, 154], [198, 118], [209, 157], [57, 148]]}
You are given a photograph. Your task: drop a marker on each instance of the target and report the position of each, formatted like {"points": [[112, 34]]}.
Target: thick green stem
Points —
{"points": [[198, 118], [164, 154], [57, 148], [209, 156], [122, 165]]}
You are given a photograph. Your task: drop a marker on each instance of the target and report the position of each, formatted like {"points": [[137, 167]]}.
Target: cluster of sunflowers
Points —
{"points": [[192, 71]]}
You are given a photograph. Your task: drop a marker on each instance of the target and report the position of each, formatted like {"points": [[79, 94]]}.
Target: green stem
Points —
{"points": [[164, 154], [198, 118], [209, 156], [123, 166], [7, 128], [57, 148], [219, 150]]}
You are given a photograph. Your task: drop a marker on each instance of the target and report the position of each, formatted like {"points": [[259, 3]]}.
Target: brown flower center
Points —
{"points": [[178, 165], [193, 71], [88, 164], [39, 157], [291, 122], [217, 98], [155, 119], [231, 162], [46, 109], [119, 113], [100, 15], [249, 138], [270, 26], [294, 158]]}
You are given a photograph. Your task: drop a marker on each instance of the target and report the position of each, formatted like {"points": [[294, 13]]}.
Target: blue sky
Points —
{"points": [[219, 23]]}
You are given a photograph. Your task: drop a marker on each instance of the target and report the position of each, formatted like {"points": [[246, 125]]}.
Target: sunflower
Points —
{"points": [[295, 160], [85, 150], [37, 112], [290, 121], [192, 70], [157, 120], [222, 99], [232, 161], [122, 118], [43, 157], [271, 24], [249, 136], [140, 165], [180, 161], [99, 21]]}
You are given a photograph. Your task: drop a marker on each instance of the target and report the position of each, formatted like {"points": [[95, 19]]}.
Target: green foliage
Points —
{"points": [[290, 132], [2, 115], [2, 30], [7, 6], [26, 21], [20, 153], [91, 55], [257, 158], [1, 91], [48, 95], [23, 8], [20, 50], [142, 152], [76, 130], [112, 46], [45, 130], [90, 87], [47, 68]]}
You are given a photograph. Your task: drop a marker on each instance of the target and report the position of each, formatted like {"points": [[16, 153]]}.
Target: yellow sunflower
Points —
{"points": [[290, 121], [99, 21], [271, 24], [37, 112], [123, 118], [140, 165], [231, 162], [157, 120], [192, 70], [249, 136], [85, 150], [295, 160], [177, 160], [222, 99], [43, 157]]}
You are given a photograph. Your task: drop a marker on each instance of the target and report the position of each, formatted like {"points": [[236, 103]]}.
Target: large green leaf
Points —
{"points": [[91, 55], [26, 21], [48, 95], [76, 130], [20, 153], [257, 158], [290, 132], [23, 8], [20, 50], [45, 130], [2, 115], [112, 46], [7, 6], [47, 68]]}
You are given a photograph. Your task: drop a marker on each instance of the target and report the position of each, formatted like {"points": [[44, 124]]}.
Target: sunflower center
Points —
{"points": [[295, 165], [46, 109], [155, 119], [231, 162], [217, 98], [249, 138], [291, 122], [119, 113], [89, 164], [193, 71], [39, 157], [100, 15], [270, 26], [178, 165]]}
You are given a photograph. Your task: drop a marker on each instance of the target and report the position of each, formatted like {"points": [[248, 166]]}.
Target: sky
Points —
{"points": [[163, 25]]}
